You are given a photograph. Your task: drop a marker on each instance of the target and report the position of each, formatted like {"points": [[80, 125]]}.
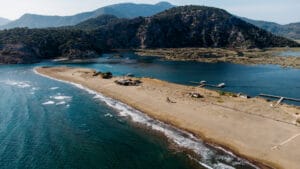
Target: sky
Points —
{"points": [[280, 11]]}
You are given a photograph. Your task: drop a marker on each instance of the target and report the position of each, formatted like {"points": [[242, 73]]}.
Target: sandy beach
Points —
{"points": [[267, 135]]}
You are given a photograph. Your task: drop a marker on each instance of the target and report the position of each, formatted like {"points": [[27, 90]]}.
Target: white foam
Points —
{"points": [[61, 97], [54, 88], [181, 138], [222, 166], [48, 102], [108, 115], [20, 84], [61, 103], [34, 88]]}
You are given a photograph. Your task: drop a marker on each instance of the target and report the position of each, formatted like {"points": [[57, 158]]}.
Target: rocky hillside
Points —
{"points": [[179, 27], [291, 31], [123, 10], [24, 45], [96, 23], [189, 26]]}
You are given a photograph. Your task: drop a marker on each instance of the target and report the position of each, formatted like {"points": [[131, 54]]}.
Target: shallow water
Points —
{"points": [[248, 79], [290, 53], [49, 124]]}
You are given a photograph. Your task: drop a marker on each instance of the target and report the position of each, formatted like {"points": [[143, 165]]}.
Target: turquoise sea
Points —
{"points": [[50, 124]]}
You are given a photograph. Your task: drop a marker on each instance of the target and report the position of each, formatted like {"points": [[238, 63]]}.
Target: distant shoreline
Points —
{"points": [[237, 56], [236, 123]]}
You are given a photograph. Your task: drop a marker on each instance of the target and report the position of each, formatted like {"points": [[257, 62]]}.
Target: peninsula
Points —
{"points": [[237, 56], [265, 133]]}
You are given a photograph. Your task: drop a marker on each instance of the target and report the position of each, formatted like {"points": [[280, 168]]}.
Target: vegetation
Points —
{"points": [[107, 75], [289, 31], [188, 26], [223, 93], [23, 45], [96, 23], [124, 10]]}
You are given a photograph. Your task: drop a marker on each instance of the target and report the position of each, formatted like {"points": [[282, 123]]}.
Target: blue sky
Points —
{"points": [[281, 11]]}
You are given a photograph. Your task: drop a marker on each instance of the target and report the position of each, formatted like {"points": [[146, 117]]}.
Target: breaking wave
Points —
{"points": [[211, 157]]}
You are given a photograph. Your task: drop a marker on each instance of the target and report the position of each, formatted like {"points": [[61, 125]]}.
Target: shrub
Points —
{"points": [[107, 75]]}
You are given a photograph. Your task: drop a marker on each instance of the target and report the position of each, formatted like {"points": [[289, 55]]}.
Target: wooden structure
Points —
{"points": [[280, 98], [203, 84]]}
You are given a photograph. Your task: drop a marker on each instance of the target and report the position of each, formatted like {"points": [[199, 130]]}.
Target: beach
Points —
{"points": [[266, 135]]}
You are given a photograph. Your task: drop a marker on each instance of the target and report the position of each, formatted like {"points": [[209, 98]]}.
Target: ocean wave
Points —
{"points": [[60, 103], [54, 88], [108, 115], [35, 88], [59, 97], [20, 84], [48, 102], [211, 156]]}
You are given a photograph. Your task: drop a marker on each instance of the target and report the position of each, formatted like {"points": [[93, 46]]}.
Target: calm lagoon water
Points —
{"points": [[49, 124], [290, 53], [248, 79]]}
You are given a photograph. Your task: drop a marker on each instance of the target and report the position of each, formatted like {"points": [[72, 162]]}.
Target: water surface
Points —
{"points": [[290, 53], [248, 79], [49, 124]]}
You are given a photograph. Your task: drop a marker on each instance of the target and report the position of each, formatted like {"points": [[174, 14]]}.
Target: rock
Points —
{"points": [[107, 75], [196, 95]]}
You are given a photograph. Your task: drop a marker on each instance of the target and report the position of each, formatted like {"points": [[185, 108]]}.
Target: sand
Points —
{"points": [[250, 128]]}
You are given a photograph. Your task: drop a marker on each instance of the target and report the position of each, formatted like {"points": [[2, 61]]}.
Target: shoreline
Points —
{"points": [[188, 135], [81, 75], [165, 126], [236, 56]]}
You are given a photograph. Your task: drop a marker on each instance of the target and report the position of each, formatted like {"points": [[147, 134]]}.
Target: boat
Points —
{"points": [[221, 85]]}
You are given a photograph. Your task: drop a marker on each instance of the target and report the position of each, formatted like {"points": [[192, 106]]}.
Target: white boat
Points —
{"points": [[221, 85]]}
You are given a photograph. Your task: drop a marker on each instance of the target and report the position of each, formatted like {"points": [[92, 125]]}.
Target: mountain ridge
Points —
{"points": [[291, 30], [178, 27], [123, 10], [190, 26], [4, 21]]}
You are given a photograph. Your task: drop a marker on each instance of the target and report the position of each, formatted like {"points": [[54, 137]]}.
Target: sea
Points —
{"points": [[45, 123]]}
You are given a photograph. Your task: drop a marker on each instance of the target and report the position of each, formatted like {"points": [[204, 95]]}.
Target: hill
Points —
{"points": [[96, 23], [4, 21], [23, 45], [189, 26], [124, 10], [291, 31], [179, 27]]}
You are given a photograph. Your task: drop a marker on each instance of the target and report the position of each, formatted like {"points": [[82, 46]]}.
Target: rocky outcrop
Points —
{"points": [[196, 26], [190, 26], [16, 54]]}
